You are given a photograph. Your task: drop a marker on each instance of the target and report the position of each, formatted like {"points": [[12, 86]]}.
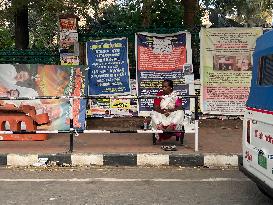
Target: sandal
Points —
{"points": [[169, 147]]}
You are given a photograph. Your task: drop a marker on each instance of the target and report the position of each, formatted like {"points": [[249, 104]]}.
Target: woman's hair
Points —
{"points": [[30, 83], [170, 82], [16, 94]]}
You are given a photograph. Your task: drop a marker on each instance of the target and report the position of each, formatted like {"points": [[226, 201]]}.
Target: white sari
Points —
{"points": [[176, 117]]}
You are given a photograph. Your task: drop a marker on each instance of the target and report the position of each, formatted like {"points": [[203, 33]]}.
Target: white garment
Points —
{"points": [[7, 75], [176, 117], [8, 81], [26, 92], [168, 101]]}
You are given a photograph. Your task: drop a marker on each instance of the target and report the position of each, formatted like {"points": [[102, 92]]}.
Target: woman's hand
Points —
{"points": [[166, 112]]}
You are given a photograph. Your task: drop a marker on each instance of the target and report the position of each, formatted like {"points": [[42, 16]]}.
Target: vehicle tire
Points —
{"points": [[264, 192]]}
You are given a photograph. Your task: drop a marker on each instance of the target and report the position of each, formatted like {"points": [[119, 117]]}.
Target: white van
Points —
{"points": [[258, 119]]}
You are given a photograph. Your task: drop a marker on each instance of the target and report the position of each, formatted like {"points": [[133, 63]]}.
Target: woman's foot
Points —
{"points": [[160, 126]]}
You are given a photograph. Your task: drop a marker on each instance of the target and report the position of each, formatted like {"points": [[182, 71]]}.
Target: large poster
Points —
{"points": [[46, 80], [108, 67], [226, 64], [162, 57]]}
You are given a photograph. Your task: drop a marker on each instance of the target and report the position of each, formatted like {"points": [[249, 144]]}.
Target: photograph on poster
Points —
{"points": [[33, 80], [187, 69], [68, 59], [68, 39], [231, 63], [243, 63], [67, 47]]}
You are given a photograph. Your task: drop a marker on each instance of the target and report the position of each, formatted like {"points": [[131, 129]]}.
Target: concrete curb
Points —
{"points": [[124, 159]]}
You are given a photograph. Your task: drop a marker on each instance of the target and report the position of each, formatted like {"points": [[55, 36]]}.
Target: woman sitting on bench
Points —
{"points": [[168, 114]]}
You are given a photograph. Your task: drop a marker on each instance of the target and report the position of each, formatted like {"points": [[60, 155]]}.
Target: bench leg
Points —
{"points": [[177, 138], [182, 138], [154, 139]]}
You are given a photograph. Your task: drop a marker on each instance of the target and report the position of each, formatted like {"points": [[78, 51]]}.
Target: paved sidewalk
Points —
{"points": [[216, 137]]}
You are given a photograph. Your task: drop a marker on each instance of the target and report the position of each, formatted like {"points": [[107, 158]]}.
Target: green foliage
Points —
{"points": [[115, 17], [120, 19], [6, 40], [133, 14], [166, 13], [249, 12], [121, 16], [43, 18]]}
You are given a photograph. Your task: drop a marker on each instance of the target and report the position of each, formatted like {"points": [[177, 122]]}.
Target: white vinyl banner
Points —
{"points": [[226, 68]]}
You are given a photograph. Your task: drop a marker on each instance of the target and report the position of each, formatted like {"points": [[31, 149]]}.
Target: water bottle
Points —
{"points": [[145, 124]]}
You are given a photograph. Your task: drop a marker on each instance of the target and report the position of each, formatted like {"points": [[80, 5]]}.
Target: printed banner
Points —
{"points": [[162, 57], [226, 64], [69, 43], [68, 24], [46, 80], [69, 59], [123, 107], [68, 37], [99, 107], [117, 107], [108, 67]]}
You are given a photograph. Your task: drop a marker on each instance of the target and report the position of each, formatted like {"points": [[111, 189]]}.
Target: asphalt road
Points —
{"points": [[110, 185]]}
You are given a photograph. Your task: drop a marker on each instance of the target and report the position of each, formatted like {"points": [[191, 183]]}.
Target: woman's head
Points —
{"points": [[167, 86], [25, 76], [22, 76]]}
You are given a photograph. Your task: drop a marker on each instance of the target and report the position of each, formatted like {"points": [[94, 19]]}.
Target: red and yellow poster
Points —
{"points": [[159, 57], [46, 80]]}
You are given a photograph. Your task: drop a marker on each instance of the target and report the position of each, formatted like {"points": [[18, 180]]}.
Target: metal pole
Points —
{"points": [[71, 141], [196, 117], [71, 130], [196, 135]]}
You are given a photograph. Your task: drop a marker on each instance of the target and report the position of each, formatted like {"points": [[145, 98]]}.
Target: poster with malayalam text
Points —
{"points": [[108, 72], [115, 106], [226, 68], [159, 57]]}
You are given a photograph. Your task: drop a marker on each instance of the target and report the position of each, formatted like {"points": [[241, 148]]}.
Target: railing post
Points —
{"points": [[196, 120], [71, 130]]}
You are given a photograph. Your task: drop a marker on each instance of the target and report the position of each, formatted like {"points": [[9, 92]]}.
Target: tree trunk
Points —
{"points": [[146, 13], [21, 24], [190, 8]]}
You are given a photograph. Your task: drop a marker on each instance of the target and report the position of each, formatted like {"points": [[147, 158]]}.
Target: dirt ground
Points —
{"points": [[214, 135], [134, 123]]}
